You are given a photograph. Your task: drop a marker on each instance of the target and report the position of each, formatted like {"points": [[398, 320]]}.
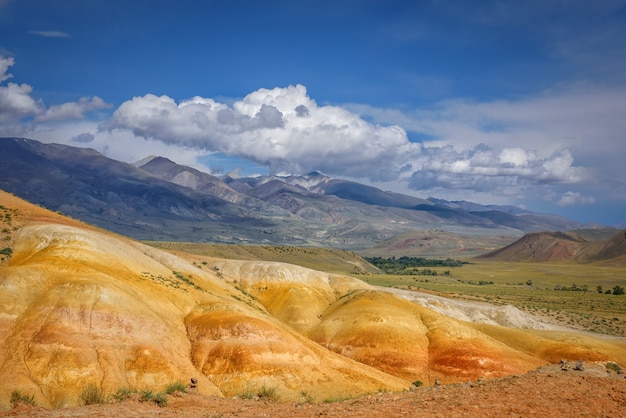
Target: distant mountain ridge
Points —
{"points": [[475, 207], [157, 199]]}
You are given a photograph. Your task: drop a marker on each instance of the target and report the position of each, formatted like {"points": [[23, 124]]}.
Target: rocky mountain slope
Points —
{"points": [[81, 306], [157, 199]]}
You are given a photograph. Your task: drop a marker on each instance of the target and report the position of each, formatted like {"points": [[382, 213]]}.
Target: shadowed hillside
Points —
{"points": [[82, 306], [436, 243]]}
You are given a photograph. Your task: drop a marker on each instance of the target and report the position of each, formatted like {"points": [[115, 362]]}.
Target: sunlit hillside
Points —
{"points": [[81, 306]]}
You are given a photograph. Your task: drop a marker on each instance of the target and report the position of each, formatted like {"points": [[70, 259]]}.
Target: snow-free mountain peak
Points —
{"points": [[162, 200]]}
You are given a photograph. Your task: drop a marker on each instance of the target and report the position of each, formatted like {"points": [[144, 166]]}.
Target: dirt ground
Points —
{"points": [[547, 392]]}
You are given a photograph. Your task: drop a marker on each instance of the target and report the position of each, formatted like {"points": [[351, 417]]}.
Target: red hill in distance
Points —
{"points": [[562, 246]]}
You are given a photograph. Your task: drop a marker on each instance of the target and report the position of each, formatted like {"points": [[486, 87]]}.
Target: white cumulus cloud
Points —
{"points": [[548, 138], [484, 168], [72, 110], [5, 63], [288, 131], [16, 103], [19, 110], [281, 127]]}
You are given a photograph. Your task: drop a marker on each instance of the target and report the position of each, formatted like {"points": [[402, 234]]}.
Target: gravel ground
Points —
{"points": [[546, 392]]}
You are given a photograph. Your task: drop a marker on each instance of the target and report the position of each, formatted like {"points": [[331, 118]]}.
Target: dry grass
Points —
{"points": [[18, 397], [93, 395], [9, 225], [324, 259]]}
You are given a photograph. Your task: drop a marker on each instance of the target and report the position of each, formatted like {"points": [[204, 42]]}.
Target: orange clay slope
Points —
{"points": [[400, 337], [82, 306]]}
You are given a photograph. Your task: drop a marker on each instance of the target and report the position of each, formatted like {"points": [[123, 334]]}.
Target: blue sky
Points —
{"points": [[496, 102]]}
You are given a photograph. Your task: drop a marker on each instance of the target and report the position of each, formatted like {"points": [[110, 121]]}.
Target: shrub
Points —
{"points": [[307, 398], [158, 398], [248, 393], [17, 397], [268, 392], [418, 383], [146, 396], [611, 365], [92, 395], [121, 394], [175, 387]]}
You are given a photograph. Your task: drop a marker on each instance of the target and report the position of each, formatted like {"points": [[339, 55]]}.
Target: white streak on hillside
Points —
{"points": [[483, 313]]}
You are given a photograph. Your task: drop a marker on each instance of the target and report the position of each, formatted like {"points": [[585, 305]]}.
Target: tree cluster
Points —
{"points": [[617, 290], [410, 265]]}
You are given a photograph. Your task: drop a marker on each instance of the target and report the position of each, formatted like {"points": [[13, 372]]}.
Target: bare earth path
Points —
{"points": [[547, 392]]}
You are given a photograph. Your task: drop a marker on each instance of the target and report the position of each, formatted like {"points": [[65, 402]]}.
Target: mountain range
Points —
{"points": [[157, 199]]}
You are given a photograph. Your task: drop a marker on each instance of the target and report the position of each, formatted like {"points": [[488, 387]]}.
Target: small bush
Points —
{"points": [[175, 387], [418, 383], [269, 393], [18, 397], [158, 398], [92, 395], [307, 397], [611, 365], [122, 394], [146, 396], [249, 393]]}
